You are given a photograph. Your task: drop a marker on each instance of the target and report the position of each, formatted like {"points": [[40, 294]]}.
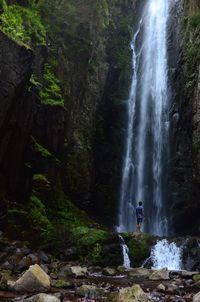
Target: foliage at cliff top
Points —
{"points": [[23, 25]]}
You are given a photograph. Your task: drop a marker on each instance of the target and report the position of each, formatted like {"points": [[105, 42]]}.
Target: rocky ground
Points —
{"points": [[36, 276]]}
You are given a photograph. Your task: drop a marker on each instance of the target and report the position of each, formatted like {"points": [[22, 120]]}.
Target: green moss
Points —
{"points": [[195, 20], [192, 52], [51, 94], [60, 284], [139, 247], [3, 4], [89, 243], [35, 81], [39, 219], [196, 278], [23, 25], [40, 149]]}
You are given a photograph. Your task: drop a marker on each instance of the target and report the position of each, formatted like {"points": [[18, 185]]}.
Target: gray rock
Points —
{"points": [[33, 280], [131, 294], [34, 258], [75, 271], [43, 256], [108, 271], [186, 274], [45, 268], [173, 288], [7, 265], [196, 297], [162, 274], [139, 272], [90, 291], [43, 298], [161, 288]]}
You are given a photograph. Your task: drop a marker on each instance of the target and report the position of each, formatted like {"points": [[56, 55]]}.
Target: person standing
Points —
{"points": [[139, 216]]}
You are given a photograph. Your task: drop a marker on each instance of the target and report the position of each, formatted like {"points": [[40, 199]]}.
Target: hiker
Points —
{"points": [[139, 215]]}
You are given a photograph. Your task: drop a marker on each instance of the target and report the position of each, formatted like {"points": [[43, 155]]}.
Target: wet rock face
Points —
{"points": [[16, 114], [184, 170]]}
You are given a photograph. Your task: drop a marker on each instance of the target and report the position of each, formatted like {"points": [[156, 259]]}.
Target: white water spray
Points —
{"points": [[165, 254], [146, 152], [125, 251]]}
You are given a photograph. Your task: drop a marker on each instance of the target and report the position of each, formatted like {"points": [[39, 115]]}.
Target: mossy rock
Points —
{"points": [[196, 278], [139, 247]]}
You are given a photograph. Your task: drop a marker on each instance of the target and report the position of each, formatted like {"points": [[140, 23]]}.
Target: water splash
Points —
{"points": [[166, 254], [125, 251], [146, 147]]}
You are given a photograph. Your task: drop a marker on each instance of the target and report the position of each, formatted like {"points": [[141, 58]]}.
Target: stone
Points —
{"points": [[62, 284], [45, 268], [42, 298], [196, 278], [108, 271], [90, 291], [161, 274], [186, 274], [161, 288], [75, 271], [131, 294], [23, 264], [33, 280], [173, 288], [139, 272], [196, 297], [43, 257], [34, 258], [7, 265]]}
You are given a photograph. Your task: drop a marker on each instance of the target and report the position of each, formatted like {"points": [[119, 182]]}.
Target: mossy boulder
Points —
{"points": [[139, 247]]}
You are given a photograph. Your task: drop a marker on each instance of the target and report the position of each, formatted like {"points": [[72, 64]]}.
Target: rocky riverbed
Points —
{"points": [[36, 276]]}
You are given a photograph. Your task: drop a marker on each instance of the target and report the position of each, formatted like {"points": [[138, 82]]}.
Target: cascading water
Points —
{"points": [[146, 154], [165, 254], [125, 250]]}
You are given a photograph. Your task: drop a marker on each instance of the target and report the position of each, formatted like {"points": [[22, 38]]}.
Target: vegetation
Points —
{"points": [[40, 149], [50, 94], [195, 20], [22, 24]]}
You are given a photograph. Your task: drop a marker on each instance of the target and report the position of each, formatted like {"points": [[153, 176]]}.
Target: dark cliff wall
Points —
{"points": [[184, 171], [65, 71]]}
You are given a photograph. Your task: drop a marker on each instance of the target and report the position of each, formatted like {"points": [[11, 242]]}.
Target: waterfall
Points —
{"points": [[125, 250], [144, 172], [165, 254]]}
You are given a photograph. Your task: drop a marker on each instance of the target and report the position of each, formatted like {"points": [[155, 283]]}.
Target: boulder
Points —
{"points": [[161, 288], [42, 298], [139, 272], [196, 297], [173, 289], [90, 291], [33, 280], [108, 271], [161, 274], [186, 274], [131, 294], [76, 271], [62, 284], [196, 278]]}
